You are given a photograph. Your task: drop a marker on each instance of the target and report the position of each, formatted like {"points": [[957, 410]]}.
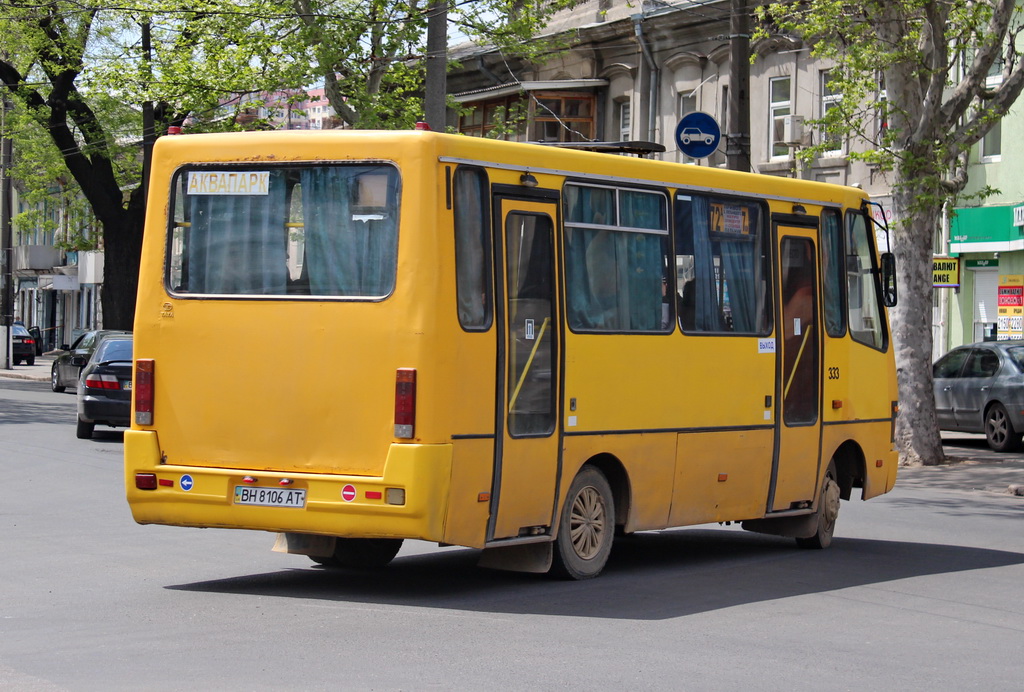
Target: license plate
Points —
{"points": [[127, 384], [269, 497]]}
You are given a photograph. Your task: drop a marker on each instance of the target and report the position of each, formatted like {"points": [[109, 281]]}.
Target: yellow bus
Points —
{"points": [[352, 338]]}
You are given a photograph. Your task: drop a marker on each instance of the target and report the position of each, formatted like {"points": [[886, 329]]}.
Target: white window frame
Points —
{"points": [[829, 100], [625, 120], [776, 111], [990, 148]]}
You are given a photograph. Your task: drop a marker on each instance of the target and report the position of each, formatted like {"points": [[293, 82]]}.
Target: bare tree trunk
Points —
{"points": [[917, 436]]}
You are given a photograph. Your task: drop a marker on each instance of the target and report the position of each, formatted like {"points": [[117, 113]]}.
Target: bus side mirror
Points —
{"points": [[888, 267]]}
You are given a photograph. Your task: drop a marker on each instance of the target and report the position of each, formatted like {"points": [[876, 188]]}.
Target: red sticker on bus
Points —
{"points": [[348, 493]]}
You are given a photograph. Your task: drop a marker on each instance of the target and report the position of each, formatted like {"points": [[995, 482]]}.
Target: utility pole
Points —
{"points": [[737, 148], [148, 134], [6, 234], [435, 99]]}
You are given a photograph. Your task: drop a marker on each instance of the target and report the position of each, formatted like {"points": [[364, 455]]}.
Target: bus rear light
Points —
{"points": [[395, 496], [145, 481], [144, 391], [405, 403]]}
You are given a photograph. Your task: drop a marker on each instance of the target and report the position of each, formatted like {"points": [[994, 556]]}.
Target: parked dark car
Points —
{"points": [[24, 345], [979, 388], [68, 364], [105, 386]]}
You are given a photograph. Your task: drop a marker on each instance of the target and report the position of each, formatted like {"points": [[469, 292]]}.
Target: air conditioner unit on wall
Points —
{"points": [[793, 129]]}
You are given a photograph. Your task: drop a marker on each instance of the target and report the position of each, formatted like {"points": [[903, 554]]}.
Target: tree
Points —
{"points": [[369, 53], [933, 60], [82, 78]]}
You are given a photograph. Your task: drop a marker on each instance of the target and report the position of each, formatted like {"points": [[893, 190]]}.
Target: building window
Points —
{"points": [[687, 102], [992, 142], [779, 107], [546, 116], [625, 121], [833, 141], [562, 118], [498, 119]]}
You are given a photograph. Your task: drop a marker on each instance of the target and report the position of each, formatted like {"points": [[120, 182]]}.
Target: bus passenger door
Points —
{"points": [[527, 421], [798, 414]]}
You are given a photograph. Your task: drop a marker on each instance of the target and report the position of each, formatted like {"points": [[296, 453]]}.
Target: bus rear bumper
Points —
{"points": [[417, 476]]}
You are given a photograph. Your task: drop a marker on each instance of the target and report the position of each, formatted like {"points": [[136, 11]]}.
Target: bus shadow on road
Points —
{"points": [[650, 576]]}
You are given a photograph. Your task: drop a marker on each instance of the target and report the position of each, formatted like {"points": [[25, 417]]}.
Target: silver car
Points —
{"points": [[980, 388]]}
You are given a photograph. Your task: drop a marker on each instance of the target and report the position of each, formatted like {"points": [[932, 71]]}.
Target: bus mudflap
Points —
{"points": [[535, 558], [304, 544]]}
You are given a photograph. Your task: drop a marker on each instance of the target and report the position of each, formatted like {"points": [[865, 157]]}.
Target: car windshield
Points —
{"points": [[114, 349], [19, 330], [1016, 354]]}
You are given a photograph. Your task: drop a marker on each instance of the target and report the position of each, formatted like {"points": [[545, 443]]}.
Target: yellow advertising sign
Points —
{"points": [[946, 272]]}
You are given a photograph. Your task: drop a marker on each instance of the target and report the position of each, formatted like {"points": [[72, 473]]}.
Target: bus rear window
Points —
{"points": [[284, 231]]}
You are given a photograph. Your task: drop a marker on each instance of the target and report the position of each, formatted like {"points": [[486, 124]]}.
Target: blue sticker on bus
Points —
{"points": [[186, 482]]}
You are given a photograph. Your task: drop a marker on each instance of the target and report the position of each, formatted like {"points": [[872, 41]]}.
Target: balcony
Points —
{"points": [[36, 257]]}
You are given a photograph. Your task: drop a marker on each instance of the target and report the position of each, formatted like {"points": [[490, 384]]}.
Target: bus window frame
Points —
{"points": [[840, 269], [173, 200], [876, 279], [487, 249], [768, 253], [667, 249]]}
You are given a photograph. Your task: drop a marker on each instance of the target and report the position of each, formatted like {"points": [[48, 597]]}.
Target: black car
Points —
{"points": [[24, 345], [105, 386], [69, 363]]}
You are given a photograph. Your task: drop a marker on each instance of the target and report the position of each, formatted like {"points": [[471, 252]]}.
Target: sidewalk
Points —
{"points": [[40, 372]]}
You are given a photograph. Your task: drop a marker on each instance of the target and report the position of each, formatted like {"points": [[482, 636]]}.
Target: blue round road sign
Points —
{"points": [[698, 135], [186, 482]]}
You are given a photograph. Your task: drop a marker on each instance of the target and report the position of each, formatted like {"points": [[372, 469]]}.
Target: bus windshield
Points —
{"points": [[327, 230]]}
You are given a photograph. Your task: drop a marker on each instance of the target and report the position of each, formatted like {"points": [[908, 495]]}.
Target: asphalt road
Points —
{"points": [[922, 589]]}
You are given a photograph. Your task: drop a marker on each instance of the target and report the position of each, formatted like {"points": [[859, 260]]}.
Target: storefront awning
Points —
{"points": [[500, 90], [985, 229]]}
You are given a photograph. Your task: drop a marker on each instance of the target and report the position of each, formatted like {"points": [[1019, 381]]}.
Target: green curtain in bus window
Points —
{"points": [[639, 209], [744, 277], [707, 312], [832, 273], [589, 205], [237, 243], [349, 251]]}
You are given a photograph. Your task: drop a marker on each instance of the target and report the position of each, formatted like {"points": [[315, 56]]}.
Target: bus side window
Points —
{"points": [[721, 265], [831, 272], [472, 248], [865, 312]]}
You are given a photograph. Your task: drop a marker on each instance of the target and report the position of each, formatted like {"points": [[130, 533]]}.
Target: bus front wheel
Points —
{"points": [[827, 513], [361, 553], [587, 527]]}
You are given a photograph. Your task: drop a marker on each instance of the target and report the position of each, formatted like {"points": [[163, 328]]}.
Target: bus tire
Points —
{"points": [[587, 527], [826, 514], [361, 553]]}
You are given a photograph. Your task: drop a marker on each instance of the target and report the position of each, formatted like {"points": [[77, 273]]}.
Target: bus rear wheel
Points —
{"points": [[587, 527], [361, 553], [826, 514]]}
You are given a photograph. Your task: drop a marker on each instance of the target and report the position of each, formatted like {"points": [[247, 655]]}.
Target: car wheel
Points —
{"points": [[999, 430], [587, 527], [826, 514], [55, 380], [84, 430], [361, 553]]}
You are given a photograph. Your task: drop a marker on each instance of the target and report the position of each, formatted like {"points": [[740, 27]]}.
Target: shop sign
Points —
{"points": [[1010, 320], [946, 272]]}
